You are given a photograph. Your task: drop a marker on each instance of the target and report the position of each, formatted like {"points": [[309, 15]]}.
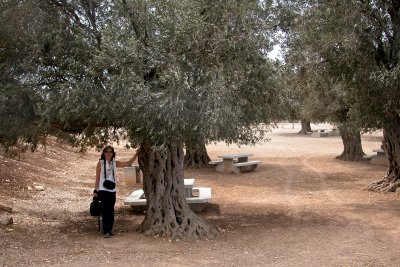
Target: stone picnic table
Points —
{"points": [[196, 197], [235, 163]]}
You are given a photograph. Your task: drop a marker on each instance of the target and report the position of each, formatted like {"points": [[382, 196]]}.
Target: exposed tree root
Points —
{"points": [[191, 227], [384, 186], [391, 146], [351, 157]]}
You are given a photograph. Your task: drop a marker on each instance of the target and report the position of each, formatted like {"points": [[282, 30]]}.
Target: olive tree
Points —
{"points": [[162, 72], [359, 42], [323, 97], [204, 71]]}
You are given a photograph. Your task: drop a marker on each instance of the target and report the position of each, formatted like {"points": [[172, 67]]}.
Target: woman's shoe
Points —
{"points": [[107, 235]]}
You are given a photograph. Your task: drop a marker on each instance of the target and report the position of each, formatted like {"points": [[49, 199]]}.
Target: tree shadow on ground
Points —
{"points": [[280, 219], [391, 206], [127, 223], [83, 223], [277, 178]]}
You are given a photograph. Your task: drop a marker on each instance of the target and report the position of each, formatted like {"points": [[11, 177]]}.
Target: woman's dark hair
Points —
{"points": [[104, 150]]}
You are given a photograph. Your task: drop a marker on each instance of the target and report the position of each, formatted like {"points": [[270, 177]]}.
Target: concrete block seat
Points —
{"points": [[219, 164], [379, 151], [215, 162], [320, 133], [334, 132], [197, 202], [132, 175], [368, 157], [246, 166], [379, 158]]}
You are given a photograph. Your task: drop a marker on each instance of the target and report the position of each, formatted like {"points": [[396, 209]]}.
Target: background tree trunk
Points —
{"points": [[196, 156], [352, 147], [391, 145], [305, 127], [167, 213]]}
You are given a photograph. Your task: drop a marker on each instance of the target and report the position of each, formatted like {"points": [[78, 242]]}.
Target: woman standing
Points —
{"points": [[105, 185]]}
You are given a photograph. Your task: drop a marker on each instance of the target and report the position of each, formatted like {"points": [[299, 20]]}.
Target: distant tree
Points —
{"points": [[292, 98], [357, 43], [196, 155], [324, 100], [305, 126]]}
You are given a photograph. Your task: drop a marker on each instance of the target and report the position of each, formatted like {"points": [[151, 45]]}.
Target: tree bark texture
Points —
{"points": [[167, 213], [196, 156], [352, 148], [391, 145], [305, 127]]}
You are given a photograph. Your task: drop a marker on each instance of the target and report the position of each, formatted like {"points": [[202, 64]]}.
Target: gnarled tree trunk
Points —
{"points": [[352, 148], [167, 213], [391, 145], [305, 127], [196, 156]]}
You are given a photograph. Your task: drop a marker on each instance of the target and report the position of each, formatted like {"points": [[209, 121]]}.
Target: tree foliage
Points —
{"points": [[162, 70], [354, 46]]}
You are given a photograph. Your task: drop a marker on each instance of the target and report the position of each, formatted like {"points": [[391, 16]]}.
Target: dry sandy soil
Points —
{"points": [[301, 207]]}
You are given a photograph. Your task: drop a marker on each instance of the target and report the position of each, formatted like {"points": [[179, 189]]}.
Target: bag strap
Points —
{"points": [[112, 169], [105, 167]]}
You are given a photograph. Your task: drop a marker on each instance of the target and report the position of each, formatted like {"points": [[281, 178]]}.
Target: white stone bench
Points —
{"points": [[322, 133], [379, 158], [379, 151], [368, 157], [219, 164], [215, 162], [201, 196], [334, 132], [136, 199], [246, 166]]}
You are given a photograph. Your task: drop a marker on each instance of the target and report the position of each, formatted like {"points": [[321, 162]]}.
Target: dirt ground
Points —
{"points": [[301, 207]]}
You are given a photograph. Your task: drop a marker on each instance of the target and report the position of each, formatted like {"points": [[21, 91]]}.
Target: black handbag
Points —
{"points": [[96, 207], [109, 184]]}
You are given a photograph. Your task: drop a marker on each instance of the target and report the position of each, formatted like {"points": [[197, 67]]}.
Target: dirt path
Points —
{"points": [[300, 208]]}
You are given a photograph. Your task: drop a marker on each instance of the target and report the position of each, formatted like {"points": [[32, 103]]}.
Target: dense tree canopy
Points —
{"points": [[188, 66], [355, 43], [162, 72]]}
